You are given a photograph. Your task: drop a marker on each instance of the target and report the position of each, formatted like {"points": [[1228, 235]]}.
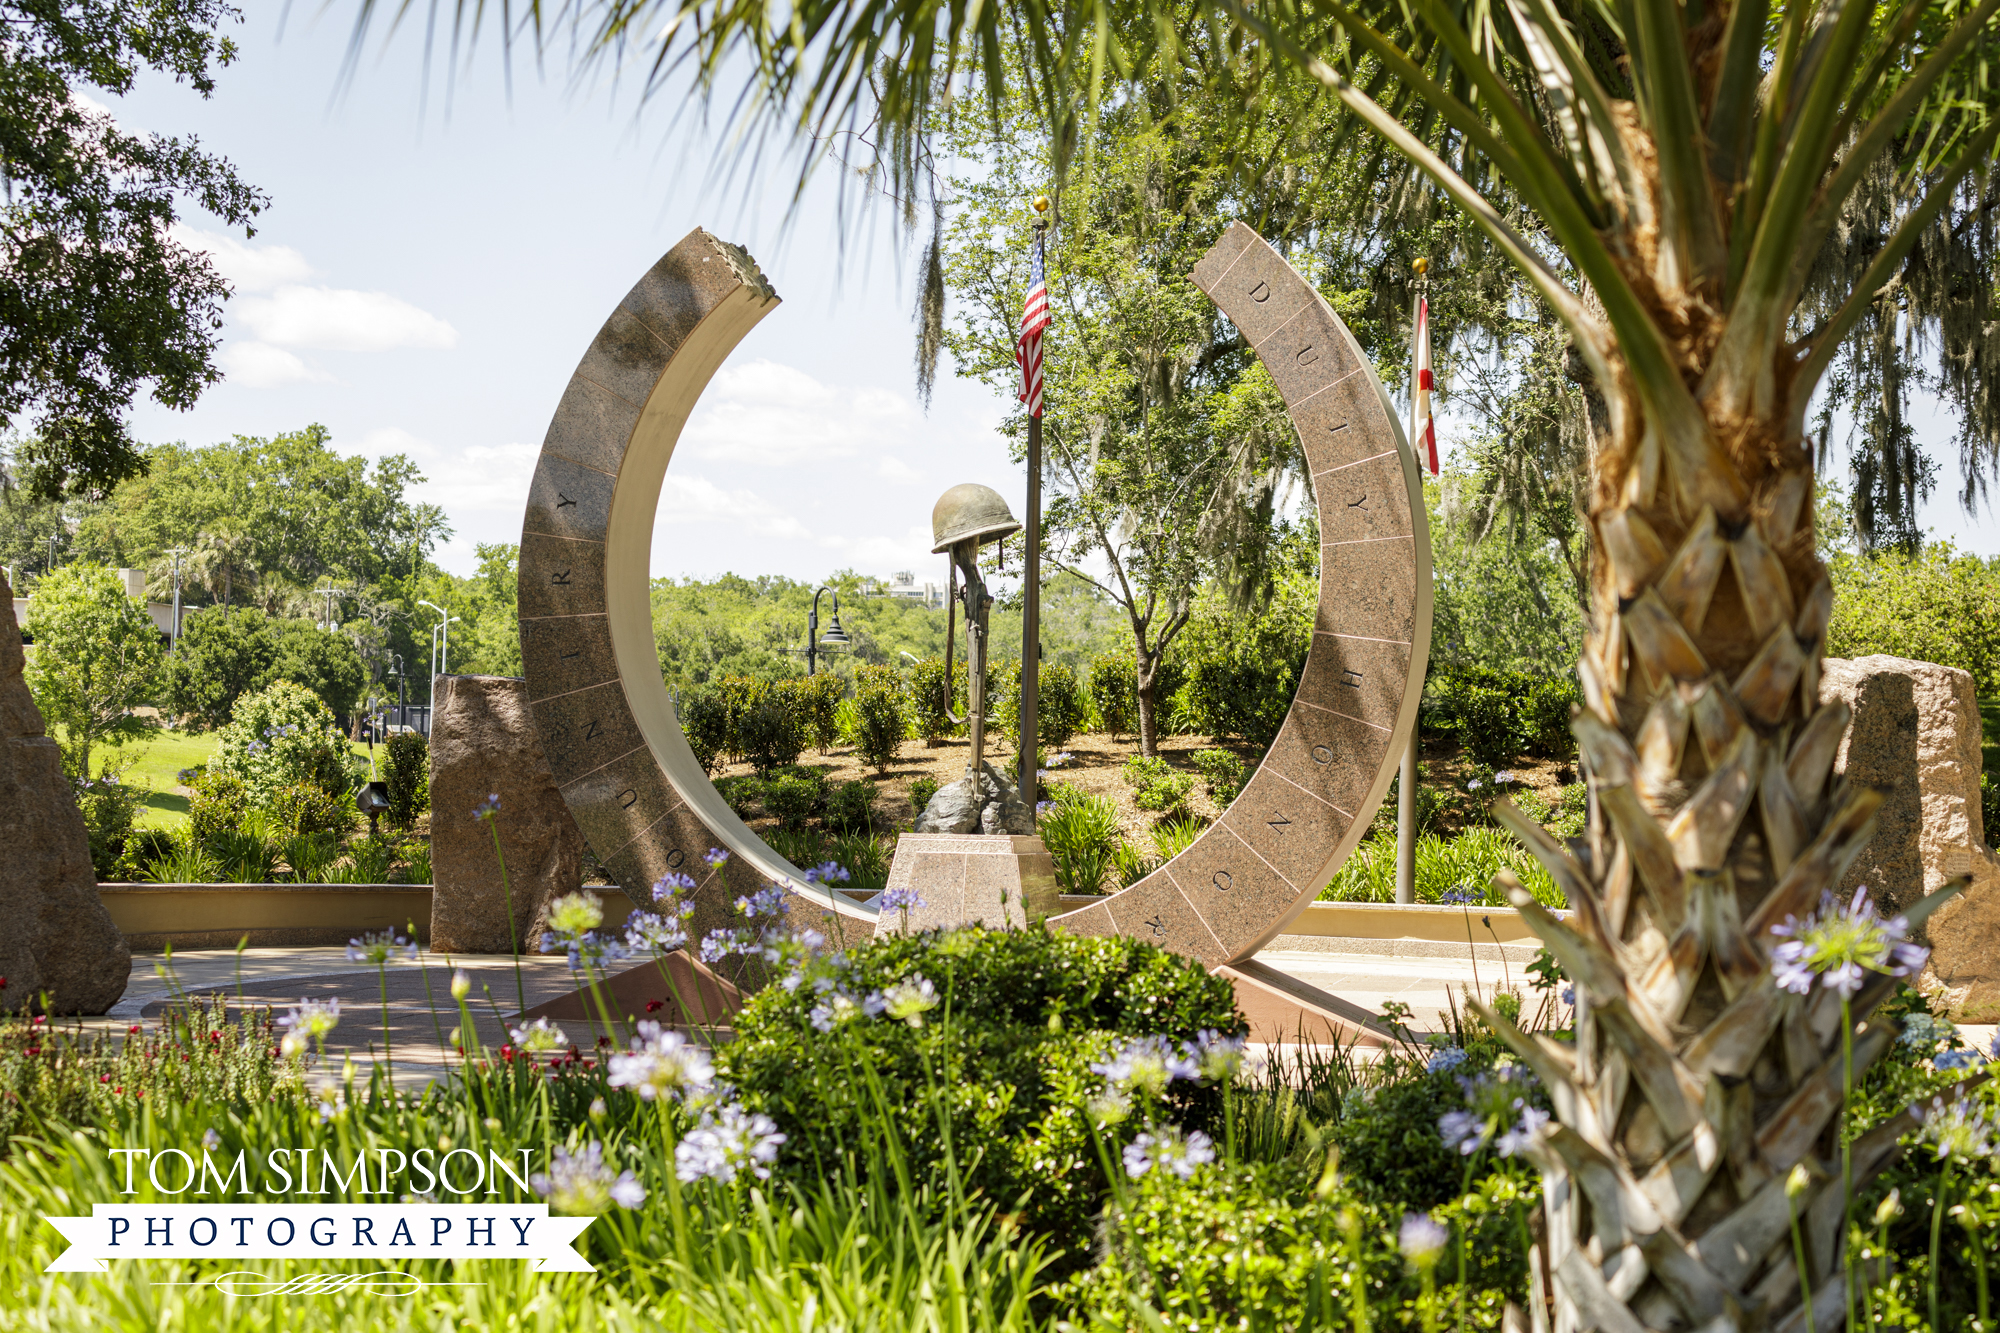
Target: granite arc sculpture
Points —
{"points": [[643, 801]]}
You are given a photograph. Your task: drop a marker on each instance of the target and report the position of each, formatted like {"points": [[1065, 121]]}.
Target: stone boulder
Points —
{"points": [[991, 804], [59, 952], [1916, 739], [483, 742]]}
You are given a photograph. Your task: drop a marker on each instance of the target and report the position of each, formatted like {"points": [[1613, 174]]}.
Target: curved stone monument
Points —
{"points": [[646, 806]]}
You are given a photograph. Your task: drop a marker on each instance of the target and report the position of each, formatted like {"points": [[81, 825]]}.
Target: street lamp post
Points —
{"points": [[835, 635], [444, 618], [329, 594], [402, 691], [177, 552]]}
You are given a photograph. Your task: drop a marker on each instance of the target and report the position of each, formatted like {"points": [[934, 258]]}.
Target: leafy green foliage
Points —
{"points": [[279, 737], [1003, 1061], [1222, 771], [109, 809], [305, 808], [1465, 863], [878, 699], [1241, 671], [818, 699], [217, 805], [850, 807], [931, 698], [408, 771], [1498, 713], [1157, 786], [103, 298], [1112, 695], [1258, 1246], [921, 790], [791, 798], [96, 658], [1081, 833], [1939, 606]]}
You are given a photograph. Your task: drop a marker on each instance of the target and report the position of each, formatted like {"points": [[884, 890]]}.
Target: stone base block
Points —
{"points": [[972, 878]]}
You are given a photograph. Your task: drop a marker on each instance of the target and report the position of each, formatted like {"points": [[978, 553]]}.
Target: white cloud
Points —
{"points": [[255, 365], [336, 319], [891, 468], [771, 414], [689, 499], [487, 477], [249, 268]]}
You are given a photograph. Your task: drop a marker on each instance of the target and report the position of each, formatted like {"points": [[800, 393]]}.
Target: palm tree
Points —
{"points": [[1731, 190]]}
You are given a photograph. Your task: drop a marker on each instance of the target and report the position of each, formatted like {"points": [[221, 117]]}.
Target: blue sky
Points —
{"points": [[428, 276]]}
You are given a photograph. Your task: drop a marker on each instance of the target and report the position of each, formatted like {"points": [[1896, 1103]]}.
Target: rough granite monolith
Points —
{"points": [[483, 743], [1916, 739], [59, 951]]}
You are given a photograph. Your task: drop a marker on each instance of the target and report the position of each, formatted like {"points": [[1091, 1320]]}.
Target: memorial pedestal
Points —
{"points": [[992, 879]]}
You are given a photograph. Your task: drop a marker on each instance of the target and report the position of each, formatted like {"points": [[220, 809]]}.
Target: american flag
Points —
{"points": [[1034, 318], [1426, 428]]}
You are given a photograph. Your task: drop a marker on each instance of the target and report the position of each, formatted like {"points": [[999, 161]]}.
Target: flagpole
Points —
{"points": [[1031, 591], [1406, 783]]}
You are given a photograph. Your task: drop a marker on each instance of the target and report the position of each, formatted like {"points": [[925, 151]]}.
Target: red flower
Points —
{"points": [[133, 1030], [653, 1006], [603, 1041], [507, 1054], [104, 1078], [34, 1050]]}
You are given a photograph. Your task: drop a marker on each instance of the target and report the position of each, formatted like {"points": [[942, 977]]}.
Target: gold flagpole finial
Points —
{"points": [[1420, 266], [1041, 203]]}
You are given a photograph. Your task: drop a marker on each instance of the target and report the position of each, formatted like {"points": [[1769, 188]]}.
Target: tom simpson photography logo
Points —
{"points": [[213, 1215]]}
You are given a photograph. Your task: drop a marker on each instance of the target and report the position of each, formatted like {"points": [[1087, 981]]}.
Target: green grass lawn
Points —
{"points": [[157, 762]]}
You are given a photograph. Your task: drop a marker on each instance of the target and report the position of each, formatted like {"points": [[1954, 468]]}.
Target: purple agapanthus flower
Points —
{"points": [[1840, 944]]}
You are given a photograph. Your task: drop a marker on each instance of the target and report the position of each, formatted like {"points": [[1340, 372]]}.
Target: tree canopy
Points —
{"points": [[98, 300]]}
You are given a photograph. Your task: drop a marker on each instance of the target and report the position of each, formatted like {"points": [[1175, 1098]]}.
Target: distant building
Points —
{"points": [[135, 588], [903, 586]]}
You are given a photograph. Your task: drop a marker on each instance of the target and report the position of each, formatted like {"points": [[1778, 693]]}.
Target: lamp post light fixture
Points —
{"points": [[444, 618], [177, 552], [402, 691], [834, 635], [329, 594]]}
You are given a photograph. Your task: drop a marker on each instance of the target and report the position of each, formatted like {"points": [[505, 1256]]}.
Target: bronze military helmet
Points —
{"points": [[970, 512]]}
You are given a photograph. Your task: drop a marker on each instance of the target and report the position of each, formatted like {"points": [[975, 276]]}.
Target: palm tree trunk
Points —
{"points": [[1696, 1084]]}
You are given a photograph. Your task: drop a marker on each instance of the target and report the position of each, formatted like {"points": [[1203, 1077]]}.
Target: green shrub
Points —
{"points": [[1240, 672], [280, 737], [1940, 606], [921, 791], [743, 793], [1462, 864], [878, 699], [247, 854], [818, 702], [1989, 805], [705, 721], [408, 769], [1081, 833], [1545, 717], [1022, 1015], [109, 808], [306, 808], [1062, 708], [416, 858], [791, 799], [1114, 693], [1157, 787], [771, 728], [1222, 771], [850, 807], [218, 805], [1259, 1246], [930, 699]]}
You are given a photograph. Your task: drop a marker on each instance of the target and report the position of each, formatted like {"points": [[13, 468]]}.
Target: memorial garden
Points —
{"points": [[1261, 875]]}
